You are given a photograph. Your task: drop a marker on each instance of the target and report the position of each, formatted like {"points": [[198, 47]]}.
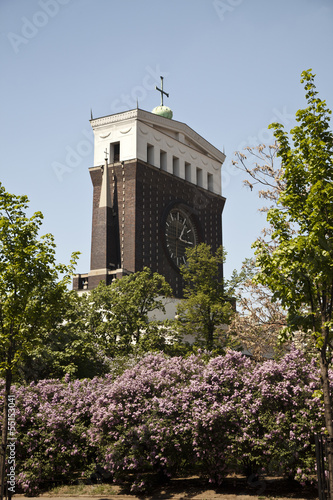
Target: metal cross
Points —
{"points": [[161, 90], [106, 153]]}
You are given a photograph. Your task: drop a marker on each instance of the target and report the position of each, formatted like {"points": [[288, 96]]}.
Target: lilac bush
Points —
{"points": [[282, 416], [229, 415], [52, 420], [141, 424], [267, 420], [170, 416]]}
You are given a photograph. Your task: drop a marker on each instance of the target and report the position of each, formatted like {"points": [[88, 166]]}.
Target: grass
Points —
{"points": [[83, 489]]}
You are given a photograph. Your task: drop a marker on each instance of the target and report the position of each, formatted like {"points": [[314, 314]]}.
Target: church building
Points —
{"points": [[156, 192]]}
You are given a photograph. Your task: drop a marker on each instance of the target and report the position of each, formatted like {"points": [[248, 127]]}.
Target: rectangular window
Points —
{"points": [[210, 182], [114, 152], [163, 160], [199, 177], [175, 166], [150, 154], [188, 171]]}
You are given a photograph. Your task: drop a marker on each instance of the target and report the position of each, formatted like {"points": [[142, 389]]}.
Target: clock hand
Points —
{"points": [[181, 234], [187, 242]]}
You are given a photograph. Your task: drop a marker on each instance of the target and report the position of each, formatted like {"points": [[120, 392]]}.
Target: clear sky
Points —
{"points": [[231, 68]]}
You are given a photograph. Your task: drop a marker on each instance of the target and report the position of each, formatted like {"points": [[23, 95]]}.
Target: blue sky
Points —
{"points": [[231, 68]]}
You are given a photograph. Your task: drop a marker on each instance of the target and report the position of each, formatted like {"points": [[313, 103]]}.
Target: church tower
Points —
{"points": [[156, 192]]}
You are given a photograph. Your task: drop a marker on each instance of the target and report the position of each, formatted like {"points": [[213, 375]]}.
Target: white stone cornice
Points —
{"points": [[119, 117]]}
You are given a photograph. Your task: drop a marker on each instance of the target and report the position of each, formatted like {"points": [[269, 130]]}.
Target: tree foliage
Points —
{"points": [[30, 285], [303, 220], [32, 288], [66, 347], [207, 302], [120, 313], [95, 332], [298, 267]]}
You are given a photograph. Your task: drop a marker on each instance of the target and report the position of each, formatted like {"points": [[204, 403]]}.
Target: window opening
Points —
{"points": [[187, 171], [115, 152], [175, 166], [163, 160], [150, 154]]}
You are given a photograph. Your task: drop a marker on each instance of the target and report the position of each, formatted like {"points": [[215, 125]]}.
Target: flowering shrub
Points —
{"points": [[52, 419], [170, 416], [282, 416], [218, 402], [228, 415], [140, 423]]}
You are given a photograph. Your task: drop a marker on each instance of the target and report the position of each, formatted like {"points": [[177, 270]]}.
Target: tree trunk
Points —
{"points": [[4, 433], [328, 414]]}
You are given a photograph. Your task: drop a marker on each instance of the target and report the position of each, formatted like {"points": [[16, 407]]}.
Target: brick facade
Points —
{"points": [[130, 235]]}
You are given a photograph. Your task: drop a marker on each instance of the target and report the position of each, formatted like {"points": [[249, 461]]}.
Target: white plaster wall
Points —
{"points": [[170, 305], [134, 130], [185, 153], [123, 132]]}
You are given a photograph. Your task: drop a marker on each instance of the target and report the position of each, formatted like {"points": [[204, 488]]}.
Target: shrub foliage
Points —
{"points": [[211, 416]]}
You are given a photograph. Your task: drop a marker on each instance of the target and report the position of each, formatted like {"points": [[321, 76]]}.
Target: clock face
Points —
{"points": [[180, 234]]}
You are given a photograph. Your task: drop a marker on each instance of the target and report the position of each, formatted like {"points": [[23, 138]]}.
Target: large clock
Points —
{"points": [[180, 234]]}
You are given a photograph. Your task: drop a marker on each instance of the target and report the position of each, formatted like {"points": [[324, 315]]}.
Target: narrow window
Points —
{"points": [[199, 177], [210, 182], [163, 160], [114, 152], [150, 154], [175, 166], [188, 171]]}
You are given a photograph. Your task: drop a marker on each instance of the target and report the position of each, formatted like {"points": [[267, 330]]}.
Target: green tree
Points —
{"points": [[207, 304], [67, 347], [93, 332], [32, 288], [298, 267], [120, 313]]}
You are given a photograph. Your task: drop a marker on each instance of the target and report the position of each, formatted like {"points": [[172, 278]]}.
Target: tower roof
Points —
{"points": [[172, 128]]}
